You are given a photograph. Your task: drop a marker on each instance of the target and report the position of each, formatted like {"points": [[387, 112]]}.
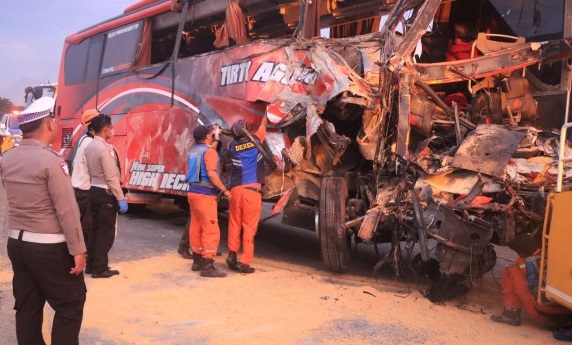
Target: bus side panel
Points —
{"points": [[559, 261], [157, 146]]}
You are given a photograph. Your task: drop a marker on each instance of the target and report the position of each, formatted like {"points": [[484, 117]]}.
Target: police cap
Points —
{"points": [[39, 109]]}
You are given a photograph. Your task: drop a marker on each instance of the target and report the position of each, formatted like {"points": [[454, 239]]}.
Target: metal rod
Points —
{"points": [[561, 150], [568, 94], [353, 222], [561, 158], [176, 47], [441, 104], [457, 124]]}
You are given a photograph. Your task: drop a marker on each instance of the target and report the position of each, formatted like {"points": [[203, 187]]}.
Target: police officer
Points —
{"points": [[204, 230], [247, 176], [80, 175], [105, 196], [45, 244]]}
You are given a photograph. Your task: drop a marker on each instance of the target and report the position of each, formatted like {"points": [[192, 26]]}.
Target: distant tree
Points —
{"points": [[6, 106]]}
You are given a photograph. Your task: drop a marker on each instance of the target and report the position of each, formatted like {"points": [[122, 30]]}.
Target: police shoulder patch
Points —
{"points": [[65, 168]]}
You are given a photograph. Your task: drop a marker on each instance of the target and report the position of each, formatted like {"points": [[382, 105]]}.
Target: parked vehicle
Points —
{"points": [[32, 93], [368, 141], [10, 132]]}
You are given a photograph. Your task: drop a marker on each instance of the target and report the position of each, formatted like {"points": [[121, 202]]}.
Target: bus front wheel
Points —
{"points": [[334, 240]]}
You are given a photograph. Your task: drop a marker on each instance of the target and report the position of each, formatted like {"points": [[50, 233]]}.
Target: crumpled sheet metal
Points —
{"points": [[457, 182], [368, 137], [334, 77], [487, 149]]}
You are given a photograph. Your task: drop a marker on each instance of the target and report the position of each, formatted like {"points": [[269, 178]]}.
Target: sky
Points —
{"points": [[32, 35]]}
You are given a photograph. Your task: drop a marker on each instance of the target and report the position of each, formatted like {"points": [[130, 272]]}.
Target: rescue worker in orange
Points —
{"points": [[520, 287], [106, 197], [247, 176], [45, 244], [203, 190]]}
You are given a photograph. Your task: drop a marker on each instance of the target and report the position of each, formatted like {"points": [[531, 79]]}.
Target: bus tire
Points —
{"points": [[334, 240]]}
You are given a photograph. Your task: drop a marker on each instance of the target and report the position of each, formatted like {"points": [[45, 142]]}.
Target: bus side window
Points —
{"points": [[76, 57], [549, 74], [120, 47], [83, 60], [196, 39]]}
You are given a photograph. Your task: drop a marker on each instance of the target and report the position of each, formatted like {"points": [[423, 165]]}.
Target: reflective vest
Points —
{"points": [[197, 175], [247, 163]]}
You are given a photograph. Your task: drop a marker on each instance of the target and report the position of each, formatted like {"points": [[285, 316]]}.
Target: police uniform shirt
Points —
{"points": [[102, 166], [40, 194], [80, 175]]}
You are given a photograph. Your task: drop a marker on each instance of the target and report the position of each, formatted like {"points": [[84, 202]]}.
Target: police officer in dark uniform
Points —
{"points": [[105, 196], [45, 245]]}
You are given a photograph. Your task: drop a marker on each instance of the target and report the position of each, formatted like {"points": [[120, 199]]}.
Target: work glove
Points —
{"points": [[216, 132], [122, 206]]}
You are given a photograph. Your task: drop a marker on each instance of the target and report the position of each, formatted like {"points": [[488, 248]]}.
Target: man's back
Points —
{"points": [[80, 176], [39, 192], [102, 166]]}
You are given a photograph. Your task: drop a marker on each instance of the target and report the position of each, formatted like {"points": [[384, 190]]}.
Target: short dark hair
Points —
{"points": [[201, 131], [237, 129], [100, 122]]}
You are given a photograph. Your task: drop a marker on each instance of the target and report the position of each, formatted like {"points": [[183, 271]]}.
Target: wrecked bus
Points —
{"points": [[408, 121]]}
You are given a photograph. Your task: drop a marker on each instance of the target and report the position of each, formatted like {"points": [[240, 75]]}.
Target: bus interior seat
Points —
{"points": [[486, 43]]}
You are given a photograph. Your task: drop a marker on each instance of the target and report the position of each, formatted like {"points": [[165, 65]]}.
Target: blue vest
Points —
{"points": [[197, 175], [247, 163], [532, 273]]}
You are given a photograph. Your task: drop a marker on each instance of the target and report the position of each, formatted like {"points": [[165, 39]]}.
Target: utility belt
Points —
{"points": [[203, 184], [254, 189], [36, 237], [80, 191], [102, 189]]}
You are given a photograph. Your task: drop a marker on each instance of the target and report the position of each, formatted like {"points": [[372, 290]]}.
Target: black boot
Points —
{"points": [[244, 268], [197, 262], [184, 252], [508, 316], [231, 260], [208, 270]]}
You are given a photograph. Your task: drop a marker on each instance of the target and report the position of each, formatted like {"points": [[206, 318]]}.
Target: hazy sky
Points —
{"points": [[32, 34]]}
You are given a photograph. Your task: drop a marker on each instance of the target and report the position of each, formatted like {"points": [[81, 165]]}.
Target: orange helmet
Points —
{"points": [[88, 115]]}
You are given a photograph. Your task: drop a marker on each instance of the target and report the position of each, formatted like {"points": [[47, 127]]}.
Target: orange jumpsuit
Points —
{"points": [[246, 203], [204, 232], [244, 213], [517, 295]]}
